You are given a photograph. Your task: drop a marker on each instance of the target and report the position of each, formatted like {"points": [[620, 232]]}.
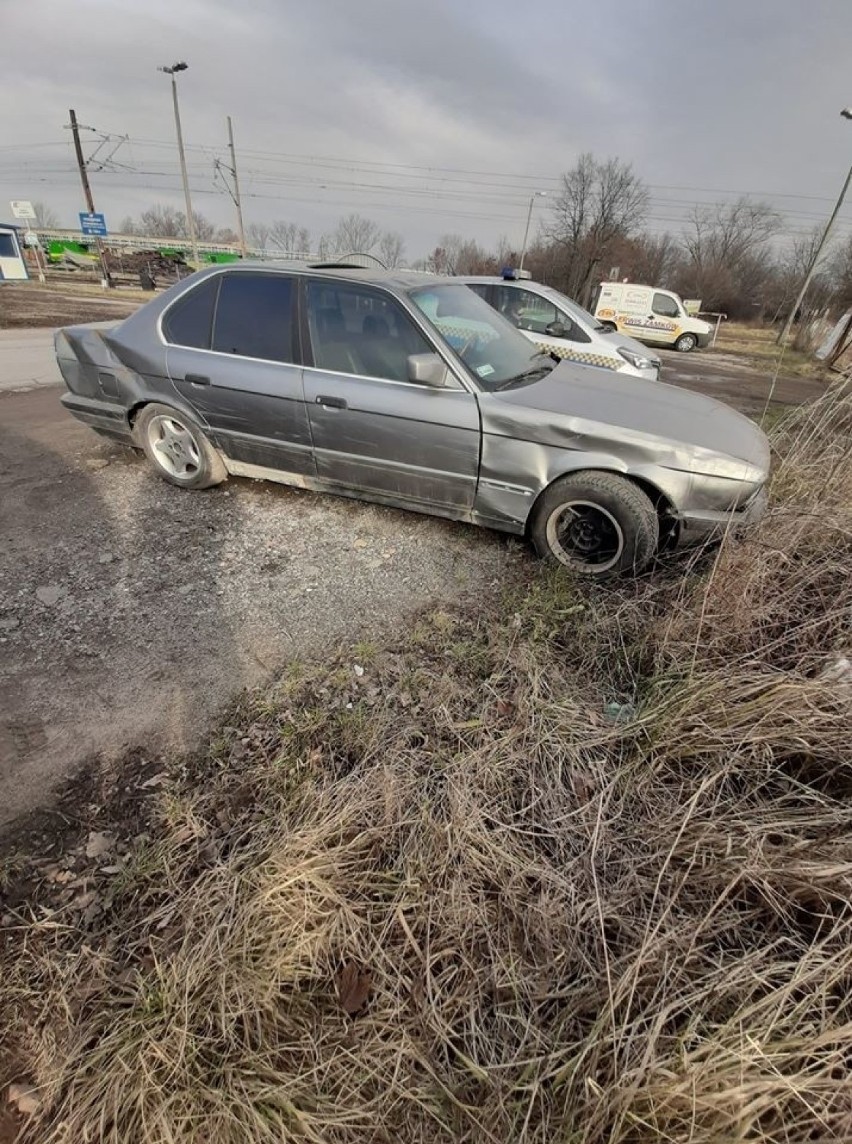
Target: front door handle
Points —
{"points": [[197, 379], [331, 402]]}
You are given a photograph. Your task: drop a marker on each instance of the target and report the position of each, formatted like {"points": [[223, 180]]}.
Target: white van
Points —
{"points": [[650, 314], [559, 326]]}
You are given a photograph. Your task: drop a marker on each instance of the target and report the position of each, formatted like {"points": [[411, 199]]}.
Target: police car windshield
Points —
{"points": [[490, 346]]}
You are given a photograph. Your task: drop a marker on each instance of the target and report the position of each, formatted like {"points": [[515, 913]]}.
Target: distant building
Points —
{"points": [[12, 264]]}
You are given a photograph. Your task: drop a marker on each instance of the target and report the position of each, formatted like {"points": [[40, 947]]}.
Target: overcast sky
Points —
{"points": [[429, 115]]}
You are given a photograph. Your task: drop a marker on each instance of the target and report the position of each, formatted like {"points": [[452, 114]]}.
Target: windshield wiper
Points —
{"points": [[528, 374]]}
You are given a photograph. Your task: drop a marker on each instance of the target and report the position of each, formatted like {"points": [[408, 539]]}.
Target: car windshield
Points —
{"points": [[575, 311], [489, 345]]}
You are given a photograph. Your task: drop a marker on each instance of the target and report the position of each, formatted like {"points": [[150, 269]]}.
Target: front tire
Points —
{"points": [[597, 524], [685, 343], [177, 449]]}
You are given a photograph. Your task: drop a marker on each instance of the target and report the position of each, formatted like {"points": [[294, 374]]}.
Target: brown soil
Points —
{"points": [[28, 304]]}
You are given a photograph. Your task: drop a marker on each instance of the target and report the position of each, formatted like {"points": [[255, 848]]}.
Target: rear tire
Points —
{"points": [[597, 524], [685, 343], [177, 449]]}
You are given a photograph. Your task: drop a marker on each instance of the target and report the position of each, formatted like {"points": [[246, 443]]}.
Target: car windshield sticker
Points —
{"points": [[485, 370]]}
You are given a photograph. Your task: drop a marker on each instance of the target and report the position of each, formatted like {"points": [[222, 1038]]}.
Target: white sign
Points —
{"points": [[22, 209]]}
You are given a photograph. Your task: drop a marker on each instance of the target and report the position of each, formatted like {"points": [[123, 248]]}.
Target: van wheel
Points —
{"points": [[610, 327], [686, 342], [595, 523], [177, 448]]}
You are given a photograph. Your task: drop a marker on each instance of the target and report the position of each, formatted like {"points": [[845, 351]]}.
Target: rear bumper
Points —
{"points": [[104, 416], [697, 527]]}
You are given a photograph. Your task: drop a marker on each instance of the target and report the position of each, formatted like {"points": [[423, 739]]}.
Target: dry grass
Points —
{"points": [[565, 928], [757, 346]]}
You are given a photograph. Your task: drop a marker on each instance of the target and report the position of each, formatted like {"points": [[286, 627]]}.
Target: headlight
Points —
{"points": [[639, 361]]}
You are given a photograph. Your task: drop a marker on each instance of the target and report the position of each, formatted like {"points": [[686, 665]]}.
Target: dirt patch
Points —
{"points": [[135, 609], [29, 304]]}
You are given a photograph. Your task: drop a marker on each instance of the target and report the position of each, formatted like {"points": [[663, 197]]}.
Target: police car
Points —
{"points": [[561, 327]]}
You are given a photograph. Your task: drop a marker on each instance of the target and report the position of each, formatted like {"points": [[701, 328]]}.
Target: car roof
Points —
{"points": [[395, 279], [498, 280]]}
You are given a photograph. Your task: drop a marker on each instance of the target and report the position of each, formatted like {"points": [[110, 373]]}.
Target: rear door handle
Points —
{"points": [[197, 379], [331, 402]]}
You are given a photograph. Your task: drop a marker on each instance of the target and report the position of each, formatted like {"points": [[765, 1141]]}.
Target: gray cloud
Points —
{"points": [[738, 96]]}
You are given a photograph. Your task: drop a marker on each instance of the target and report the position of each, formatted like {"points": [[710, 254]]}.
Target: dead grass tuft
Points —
{"points": [[461, 896]]}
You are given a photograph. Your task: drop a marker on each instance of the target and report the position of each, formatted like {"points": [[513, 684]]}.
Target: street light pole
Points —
{"points": [[190, 221], [785, 333], [535, 195]]}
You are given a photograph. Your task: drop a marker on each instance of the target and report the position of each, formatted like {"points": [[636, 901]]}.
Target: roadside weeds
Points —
{"points": [[435, 889]]}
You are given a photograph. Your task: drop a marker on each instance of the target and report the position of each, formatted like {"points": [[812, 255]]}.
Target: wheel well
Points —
{"points": [[661, 503], [134, 411]]}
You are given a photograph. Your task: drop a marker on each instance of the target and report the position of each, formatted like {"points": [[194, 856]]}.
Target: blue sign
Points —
{"points": [[93, 224]]}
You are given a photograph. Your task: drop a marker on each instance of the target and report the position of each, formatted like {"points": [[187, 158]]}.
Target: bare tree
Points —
{"points": [[391, 249], [205, 231], [728, 260], [598, 202], [128, 225], [355, 235], [226, 235], [45, 216], [162, 221], [648, 258], [289, 238], [258, 234]]}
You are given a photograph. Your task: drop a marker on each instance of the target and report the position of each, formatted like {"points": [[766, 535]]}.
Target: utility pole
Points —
{"points": [[535, 195], [237, 201], [87, 190], [785, 333], [190, 221], [846, 113]]}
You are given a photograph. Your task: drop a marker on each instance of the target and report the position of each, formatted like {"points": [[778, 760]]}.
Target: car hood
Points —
{"points": [[574, 400]]}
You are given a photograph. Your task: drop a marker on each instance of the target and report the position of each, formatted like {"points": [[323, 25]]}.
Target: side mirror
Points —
{"points": [[427, 369], [556, 330]]}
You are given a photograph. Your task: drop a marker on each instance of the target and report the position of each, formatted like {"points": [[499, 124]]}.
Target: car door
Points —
{"points": [[373, 429], [233, 355]]}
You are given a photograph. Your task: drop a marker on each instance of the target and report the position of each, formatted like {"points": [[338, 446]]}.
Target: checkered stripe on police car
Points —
{"points": [[578, 355]]}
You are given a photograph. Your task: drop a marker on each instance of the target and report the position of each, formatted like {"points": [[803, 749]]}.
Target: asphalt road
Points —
{"points": [[26, 359]]}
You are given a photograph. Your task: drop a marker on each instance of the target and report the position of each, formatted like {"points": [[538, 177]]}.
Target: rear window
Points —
{"points": [[254, 317], [7, 246], [190, 321]]}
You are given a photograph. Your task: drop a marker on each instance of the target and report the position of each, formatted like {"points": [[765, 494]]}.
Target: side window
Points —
{"points": [[526, 310], [254, 316], [361, 331], [665, 306], [190, 320]]}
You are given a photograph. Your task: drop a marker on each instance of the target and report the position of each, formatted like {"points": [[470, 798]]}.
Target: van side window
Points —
{"points": [[665, 306]]}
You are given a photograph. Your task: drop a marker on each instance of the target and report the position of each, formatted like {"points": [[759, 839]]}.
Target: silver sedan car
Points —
{"points": [[410, 390]]}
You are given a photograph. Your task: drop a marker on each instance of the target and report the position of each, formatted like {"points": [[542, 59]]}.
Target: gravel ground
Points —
{"points": [[130, 611]]}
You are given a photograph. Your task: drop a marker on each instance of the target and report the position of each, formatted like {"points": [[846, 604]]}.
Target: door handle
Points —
{"points": [[332, 402], [197, 379]]}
